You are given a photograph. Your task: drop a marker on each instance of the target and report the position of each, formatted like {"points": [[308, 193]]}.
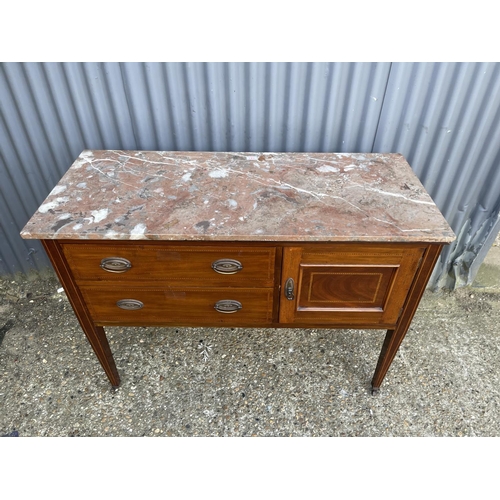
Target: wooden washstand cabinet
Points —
{"points": [[293, 240]]}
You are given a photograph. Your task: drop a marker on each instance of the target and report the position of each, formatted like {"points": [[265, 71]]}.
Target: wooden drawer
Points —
{"points": [[237, 266], [183, 306]]}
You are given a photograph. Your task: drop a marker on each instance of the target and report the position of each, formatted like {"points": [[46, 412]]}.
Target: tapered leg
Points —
{"points": [[95, 334], [394, 337], [99, 342]]}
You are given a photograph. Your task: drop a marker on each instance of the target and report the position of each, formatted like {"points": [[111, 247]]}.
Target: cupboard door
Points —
{"points": [[347, 284]]}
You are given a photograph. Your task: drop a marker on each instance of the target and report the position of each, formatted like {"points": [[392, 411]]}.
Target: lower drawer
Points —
{"points": [[179, 306]]}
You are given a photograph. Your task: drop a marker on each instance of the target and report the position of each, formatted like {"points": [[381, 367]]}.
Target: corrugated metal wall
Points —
{"points": [[444, 117]]}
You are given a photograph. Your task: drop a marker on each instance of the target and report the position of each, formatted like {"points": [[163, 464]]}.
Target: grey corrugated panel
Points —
{"points": [[22, 175], [442, 116], [445, 118], [50, 112]]}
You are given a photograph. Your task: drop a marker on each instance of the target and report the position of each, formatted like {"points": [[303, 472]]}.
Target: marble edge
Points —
{"points": [[445, 239]]}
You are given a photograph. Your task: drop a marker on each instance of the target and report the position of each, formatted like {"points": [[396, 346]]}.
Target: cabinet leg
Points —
{"points": [[99, 342], [393, 339]]}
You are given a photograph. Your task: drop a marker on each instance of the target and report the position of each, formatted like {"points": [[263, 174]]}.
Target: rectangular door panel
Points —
{"points": [[336, 288]]}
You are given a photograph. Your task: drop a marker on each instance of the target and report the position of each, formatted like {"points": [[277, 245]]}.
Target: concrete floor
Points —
{"points": [[445, 380]]}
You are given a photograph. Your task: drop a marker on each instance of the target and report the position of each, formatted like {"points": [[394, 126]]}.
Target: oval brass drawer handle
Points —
{"points": [[227, 266], [228, 306], [130, 304], [115, 264]]}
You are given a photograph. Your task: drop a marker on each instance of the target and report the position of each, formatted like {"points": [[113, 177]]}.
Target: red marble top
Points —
{"points": [[166, 195]]}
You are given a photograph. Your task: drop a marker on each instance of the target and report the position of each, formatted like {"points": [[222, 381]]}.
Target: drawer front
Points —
{"points": [[183, 306], [347, 284], [208, 265]]}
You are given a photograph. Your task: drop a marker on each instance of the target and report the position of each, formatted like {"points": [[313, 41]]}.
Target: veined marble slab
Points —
{"points": [[165, 195]]}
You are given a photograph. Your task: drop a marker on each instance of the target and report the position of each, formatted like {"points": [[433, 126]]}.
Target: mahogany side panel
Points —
{"points": [[395, 336], [95, 334]]}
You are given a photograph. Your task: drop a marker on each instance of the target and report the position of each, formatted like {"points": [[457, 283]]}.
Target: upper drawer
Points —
{"points": [[224, 265]]}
